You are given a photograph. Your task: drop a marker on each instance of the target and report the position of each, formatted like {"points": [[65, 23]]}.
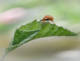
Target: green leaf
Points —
{"points": [[34, 30], [48, 29], [24, 34]]}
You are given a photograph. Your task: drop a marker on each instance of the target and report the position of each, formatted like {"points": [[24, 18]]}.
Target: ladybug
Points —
{"points": [[47, 18]]}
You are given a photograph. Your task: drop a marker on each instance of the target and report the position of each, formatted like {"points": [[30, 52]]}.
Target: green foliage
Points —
{"points": [[48, 29], [24, 34], [36, 30]]}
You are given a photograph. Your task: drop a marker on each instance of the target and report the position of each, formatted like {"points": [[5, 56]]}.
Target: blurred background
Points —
{"points": [[14, 13]]}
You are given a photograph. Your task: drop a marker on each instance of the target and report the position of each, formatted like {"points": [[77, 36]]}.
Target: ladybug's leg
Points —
{"points": [[42, 20]]}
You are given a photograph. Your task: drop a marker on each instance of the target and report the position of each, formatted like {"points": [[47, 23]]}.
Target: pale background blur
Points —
{"points": [[13, 13]]}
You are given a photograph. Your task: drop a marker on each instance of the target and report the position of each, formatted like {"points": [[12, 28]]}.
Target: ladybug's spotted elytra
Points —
{"points": [[47, 18]]}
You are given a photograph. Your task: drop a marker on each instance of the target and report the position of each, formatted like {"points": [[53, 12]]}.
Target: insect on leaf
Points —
{"points": [[34, 30]]}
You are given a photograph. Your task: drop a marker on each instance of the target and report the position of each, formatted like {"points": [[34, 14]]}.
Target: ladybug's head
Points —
{"points": [[47, 18]]}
